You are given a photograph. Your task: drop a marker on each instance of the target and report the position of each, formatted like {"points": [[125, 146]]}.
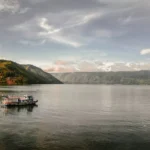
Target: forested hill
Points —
{"points": [[40, 73], [129, 78], [12, 73]]}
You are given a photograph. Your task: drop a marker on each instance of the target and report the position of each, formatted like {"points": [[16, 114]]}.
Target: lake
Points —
{"points": [[77, 117]]}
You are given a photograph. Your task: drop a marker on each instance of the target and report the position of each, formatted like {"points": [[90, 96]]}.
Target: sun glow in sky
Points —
{"points": [[76, 35]]}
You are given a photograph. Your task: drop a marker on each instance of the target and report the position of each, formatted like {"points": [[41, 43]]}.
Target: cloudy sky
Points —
{"points": [[76, 35]]}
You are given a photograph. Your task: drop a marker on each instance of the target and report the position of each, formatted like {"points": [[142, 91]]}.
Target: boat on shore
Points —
{"points": [[18, 101]]}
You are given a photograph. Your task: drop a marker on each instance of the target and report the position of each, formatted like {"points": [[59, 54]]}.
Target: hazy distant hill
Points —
{"points": [[12, 73], [137, 77]]}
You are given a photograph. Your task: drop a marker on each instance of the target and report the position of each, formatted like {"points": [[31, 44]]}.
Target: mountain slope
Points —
{"points": [[12, 73], [39, 72], [136, 77]]}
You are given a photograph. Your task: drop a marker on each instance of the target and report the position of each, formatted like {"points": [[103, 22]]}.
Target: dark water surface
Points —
{"points": [[78, 117]]}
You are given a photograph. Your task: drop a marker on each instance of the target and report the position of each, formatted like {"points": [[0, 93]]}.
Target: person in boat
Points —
{"points": [[30, 98], [19, 100]]}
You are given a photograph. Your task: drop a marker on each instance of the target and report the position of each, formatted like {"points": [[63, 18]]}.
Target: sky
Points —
{"points": [[76, 35]]}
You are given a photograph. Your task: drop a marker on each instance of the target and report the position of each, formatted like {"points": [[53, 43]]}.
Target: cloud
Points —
{"points": [[9, 6], [87, 66], [63, 62], [118, 27], [32, 43], [55, 34], [82, 19], [94, 66], [37, 1], [24, 27], [44, 24], [64, 33], [145, 51], [24, 10], [60, 69], [67, 41]]}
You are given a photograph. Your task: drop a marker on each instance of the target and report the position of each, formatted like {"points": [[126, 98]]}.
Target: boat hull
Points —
{"points": [[21, 104]]}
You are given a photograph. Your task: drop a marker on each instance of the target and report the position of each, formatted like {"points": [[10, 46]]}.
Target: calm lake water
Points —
{"points": [[78, 117]]}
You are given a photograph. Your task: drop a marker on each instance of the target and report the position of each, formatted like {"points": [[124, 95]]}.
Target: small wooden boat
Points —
{"points": [[18, 101]]}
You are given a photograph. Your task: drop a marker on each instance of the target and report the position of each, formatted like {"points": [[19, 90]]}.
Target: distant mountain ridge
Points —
{"points": [[124, 77], [12, 73]]}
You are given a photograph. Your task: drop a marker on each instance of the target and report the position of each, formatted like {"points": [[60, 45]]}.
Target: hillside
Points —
{"points": [[40, 73], [12, 73], [136, 77]]}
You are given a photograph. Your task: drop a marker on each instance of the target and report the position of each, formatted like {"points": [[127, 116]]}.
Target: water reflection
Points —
{"points": [[18, 109]]}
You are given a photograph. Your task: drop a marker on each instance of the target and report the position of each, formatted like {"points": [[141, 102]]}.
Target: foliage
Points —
{"points": [[12, 73]]}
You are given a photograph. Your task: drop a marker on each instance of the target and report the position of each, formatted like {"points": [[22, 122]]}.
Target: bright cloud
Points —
{"points": [[82, 19], [54, 34], [44, 24], [145, 51]]}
